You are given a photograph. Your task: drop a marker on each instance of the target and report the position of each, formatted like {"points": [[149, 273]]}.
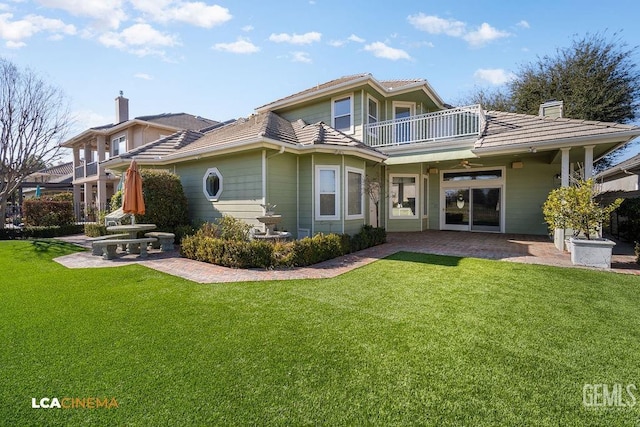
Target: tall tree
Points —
{"points": [[35, 118], [595, 77]]}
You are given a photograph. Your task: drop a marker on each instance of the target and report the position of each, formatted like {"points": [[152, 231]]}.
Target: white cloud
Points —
{"points": [[381, 50], [300, 57], [17, 31], [195, 13], [139, 39], [85, 119], [14, 45], [432, 24], [106, 13], [494, 76], [143, 76], [523, 24], [435, 25], [354, 38], [247, 28], [337, 43], [300, 39], [484, 34], [240, 46]]}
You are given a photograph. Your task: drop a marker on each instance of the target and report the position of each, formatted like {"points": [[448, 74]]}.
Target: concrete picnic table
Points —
{"points": [[132, 229]]}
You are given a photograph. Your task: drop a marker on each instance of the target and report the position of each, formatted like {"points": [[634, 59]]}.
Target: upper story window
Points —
{"points": [[342, 113], [372, 110], [327, 192], [119, 145], [212, 184]]}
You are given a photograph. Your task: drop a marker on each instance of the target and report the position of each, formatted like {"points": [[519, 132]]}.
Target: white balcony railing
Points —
{"points": [[446, 124]]}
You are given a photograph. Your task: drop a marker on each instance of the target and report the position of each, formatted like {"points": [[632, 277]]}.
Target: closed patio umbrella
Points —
{"points": [[132, 199]]}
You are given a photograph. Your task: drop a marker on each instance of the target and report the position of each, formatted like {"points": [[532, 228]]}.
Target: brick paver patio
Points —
{"points": [[506, 247]]}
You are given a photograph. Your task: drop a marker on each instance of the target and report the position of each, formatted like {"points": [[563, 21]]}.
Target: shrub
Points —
{"points": [[637, 249], [94, 229], [47, 212], [165, 202], [181, 231], [208, 245], [42, 232], [575, 207]]}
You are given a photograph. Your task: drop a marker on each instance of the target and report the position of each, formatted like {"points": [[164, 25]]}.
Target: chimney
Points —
{"points": [[122, 109], [552, 108]]}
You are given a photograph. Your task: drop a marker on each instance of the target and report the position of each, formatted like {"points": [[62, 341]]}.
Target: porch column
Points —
{"points": [[588, 161], [102, 183], [77, 200], [565, 166], [88, 195]]}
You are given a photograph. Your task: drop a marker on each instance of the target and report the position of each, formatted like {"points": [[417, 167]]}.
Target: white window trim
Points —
{"points": [[418, 196], [425, 195], [375, 101], [362, 207], [206, 175], [115, 141], [411, 105], [336, 169], [351, 113]]}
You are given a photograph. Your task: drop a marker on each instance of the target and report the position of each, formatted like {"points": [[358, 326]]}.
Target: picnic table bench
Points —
{"points": [[109, 246], [97, 250], [165, 240]]}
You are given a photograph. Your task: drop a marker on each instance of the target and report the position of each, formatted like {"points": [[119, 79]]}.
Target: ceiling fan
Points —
{"points": [[466, 164]]}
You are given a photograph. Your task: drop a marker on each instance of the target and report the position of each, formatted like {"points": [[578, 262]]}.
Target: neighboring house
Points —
{"points": [[48, 181], [320, 155], [93, 184], [622, 179]]}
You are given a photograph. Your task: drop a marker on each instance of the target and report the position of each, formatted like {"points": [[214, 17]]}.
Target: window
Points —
{"points": [[355, 193], [372, 111], [342, 113], [327, 192], [119, 145], [212, 184], [404, 192]]}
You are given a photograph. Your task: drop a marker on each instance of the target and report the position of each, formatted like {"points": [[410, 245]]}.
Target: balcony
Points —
{"points": [[92, 170], [461, 122]]}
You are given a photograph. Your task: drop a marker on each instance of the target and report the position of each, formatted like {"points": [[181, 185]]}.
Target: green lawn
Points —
{"points": [[411, 339]]}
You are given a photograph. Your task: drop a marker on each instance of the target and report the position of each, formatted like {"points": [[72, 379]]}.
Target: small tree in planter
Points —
{"points": [[575, 207]]}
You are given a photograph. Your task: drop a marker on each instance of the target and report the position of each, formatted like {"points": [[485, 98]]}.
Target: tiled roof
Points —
{"points": [[164, 146], [395, 84], [510, 129], [256, 127], [320, 133], [180, 120], [176, 120], [319, 87], [62, 169]]}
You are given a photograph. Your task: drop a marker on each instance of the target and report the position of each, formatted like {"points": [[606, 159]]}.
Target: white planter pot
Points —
{"points": [[591, 253]]}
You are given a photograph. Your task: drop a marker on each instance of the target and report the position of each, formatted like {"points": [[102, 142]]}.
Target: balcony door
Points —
{"points": [[402, 112]]}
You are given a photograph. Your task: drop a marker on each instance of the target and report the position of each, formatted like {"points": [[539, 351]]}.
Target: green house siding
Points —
{"points": [[282, 188], [305, 192], [241, 189], [527, 190]]}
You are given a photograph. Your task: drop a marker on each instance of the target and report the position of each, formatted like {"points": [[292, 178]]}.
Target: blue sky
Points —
{"points": [[221, 59]]}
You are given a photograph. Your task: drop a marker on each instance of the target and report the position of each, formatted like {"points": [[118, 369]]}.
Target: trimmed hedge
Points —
{"points": [[207, 246], [40, 232], [47, 212]]}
